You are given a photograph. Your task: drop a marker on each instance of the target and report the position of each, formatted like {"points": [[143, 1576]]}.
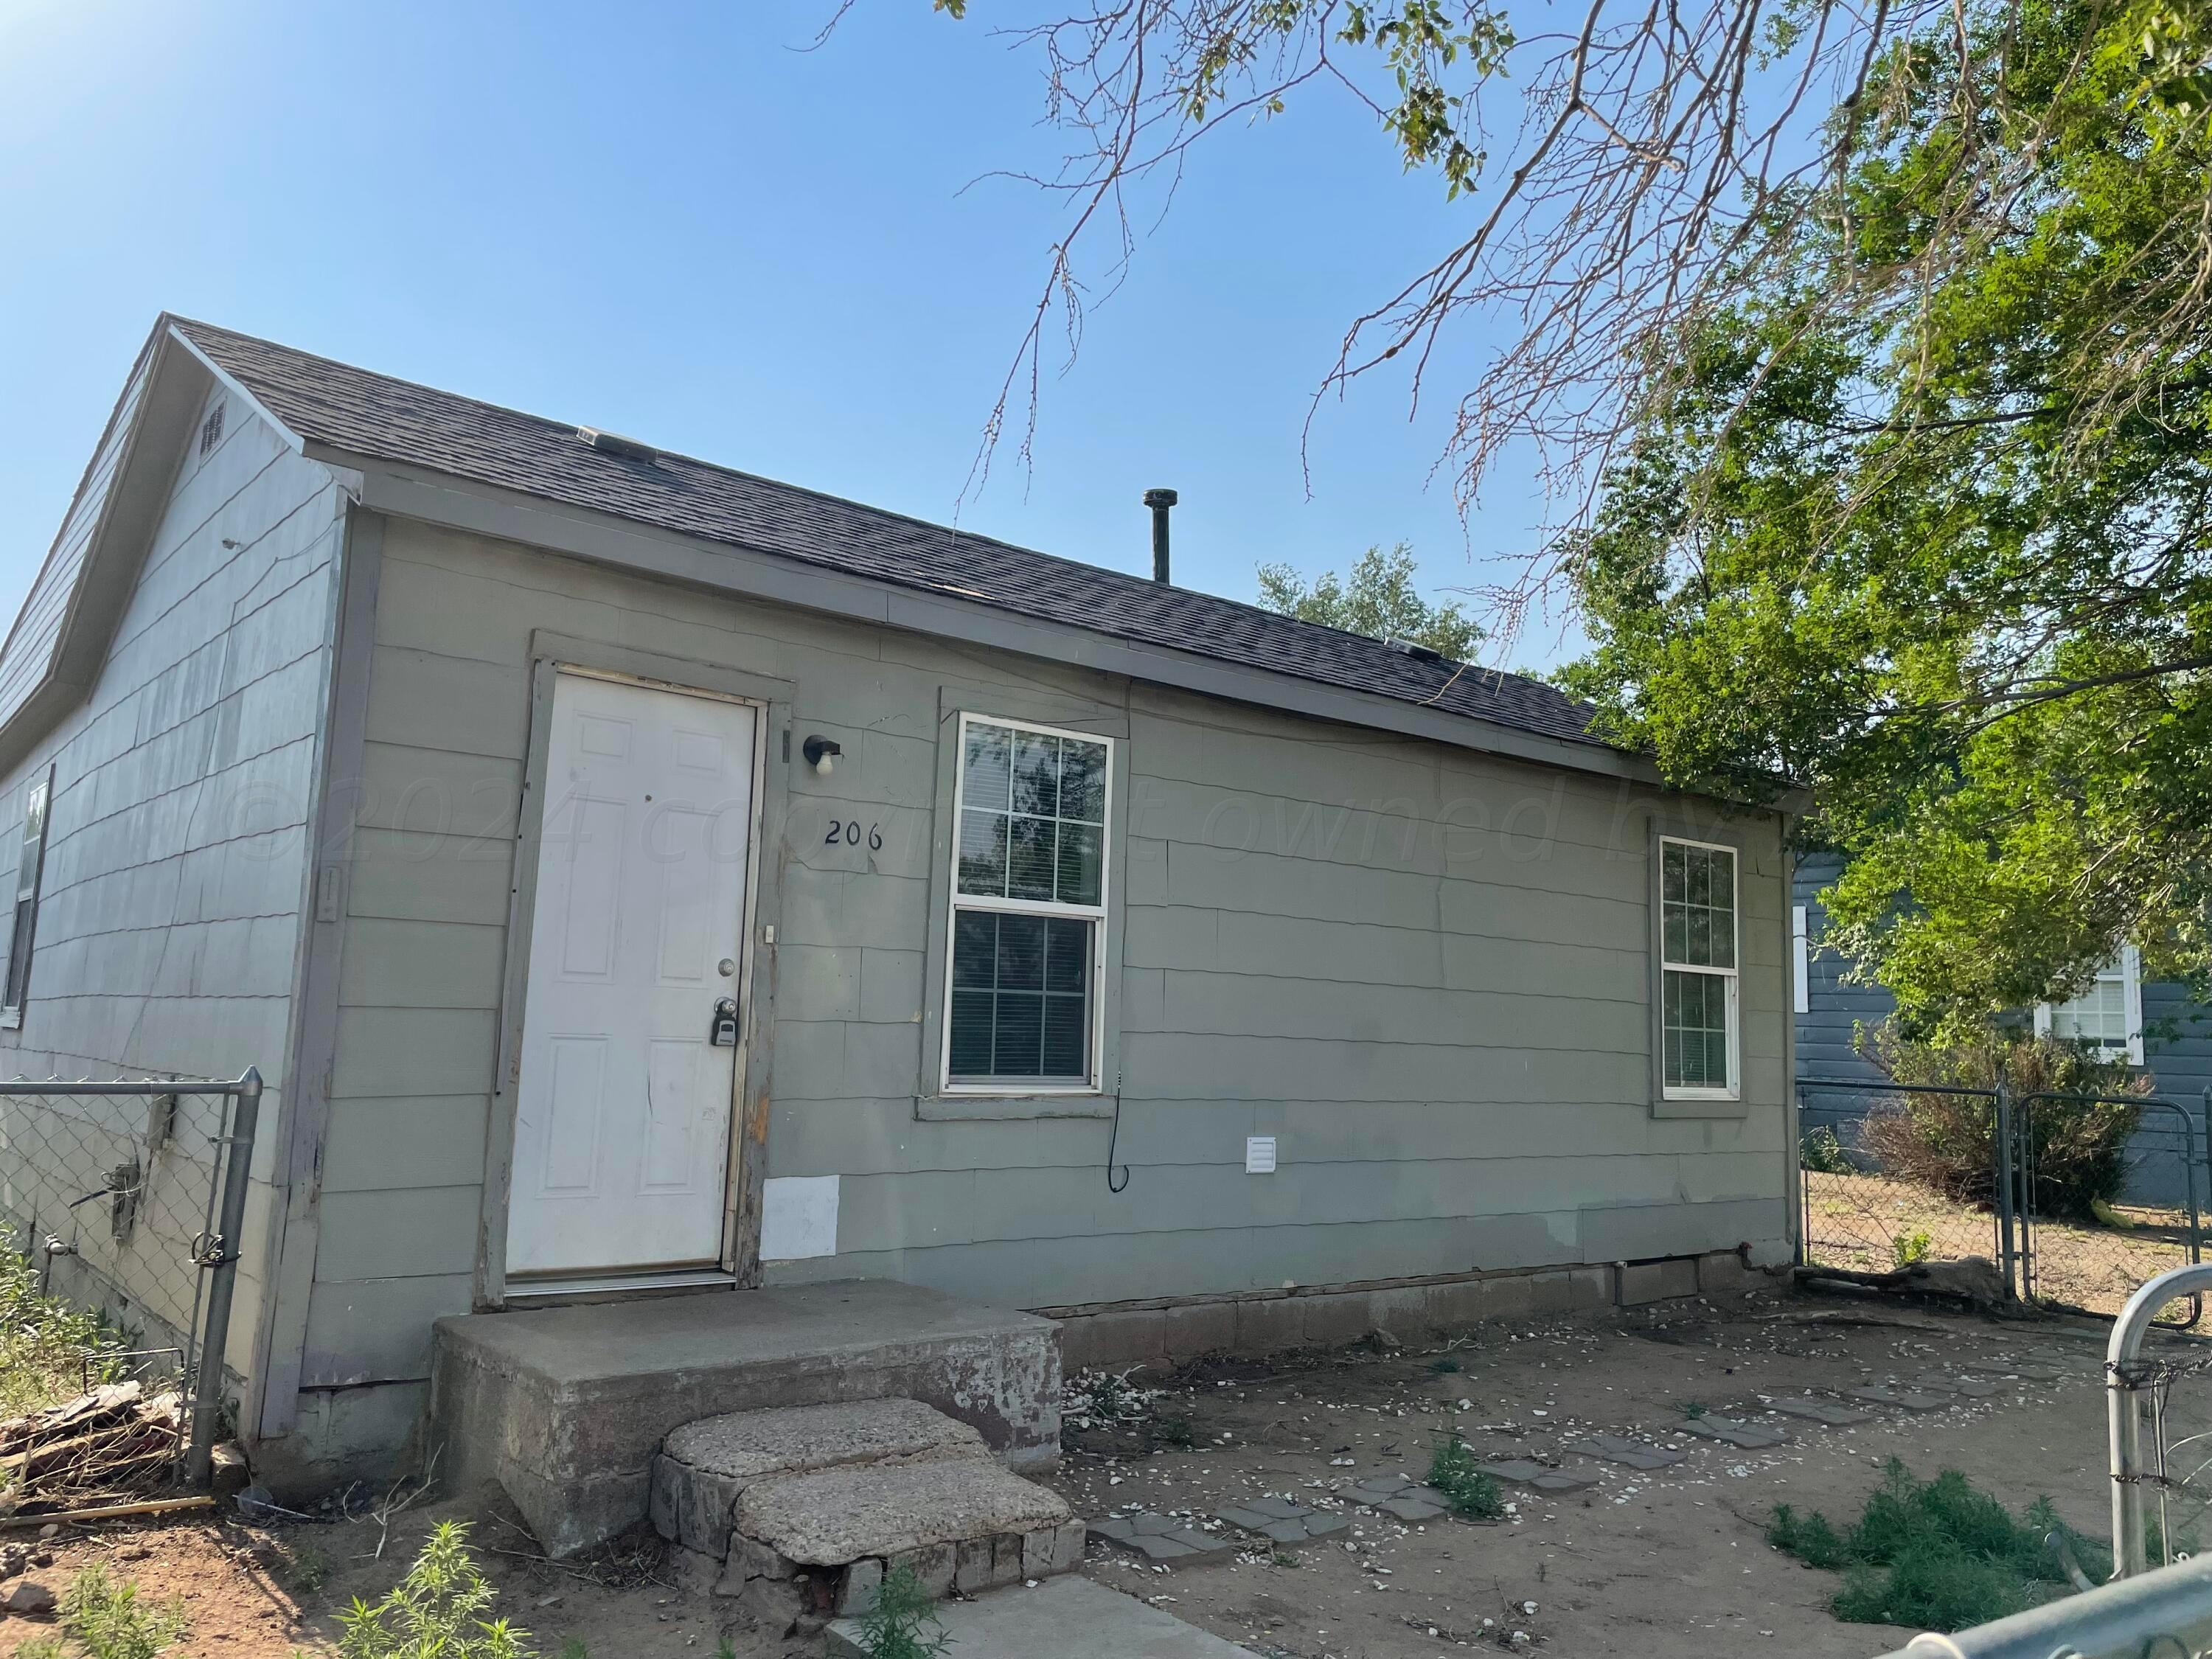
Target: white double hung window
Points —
{"points": [[1029, 909], [1699, 1023]]}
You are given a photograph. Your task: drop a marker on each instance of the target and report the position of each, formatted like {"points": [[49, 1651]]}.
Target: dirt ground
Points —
{"points": [[1664, 1566], [1858, 1220]]}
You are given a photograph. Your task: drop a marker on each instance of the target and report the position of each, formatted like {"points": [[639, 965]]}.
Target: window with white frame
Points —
{"points": [[1029, 909], [2107, 1015], [24, 926], [1698, 969]]}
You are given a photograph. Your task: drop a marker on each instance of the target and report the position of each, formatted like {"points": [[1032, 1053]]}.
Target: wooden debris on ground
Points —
{"points": [[112, 1440]]}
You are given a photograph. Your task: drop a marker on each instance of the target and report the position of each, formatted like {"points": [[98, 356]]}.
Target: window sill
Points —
{"points": [[1700, 1106], [987, 1108]]}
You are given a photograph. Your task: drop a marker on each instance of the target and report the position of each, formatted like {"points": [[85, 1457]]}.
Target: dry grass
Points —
{"points": [[1865, 1223]]}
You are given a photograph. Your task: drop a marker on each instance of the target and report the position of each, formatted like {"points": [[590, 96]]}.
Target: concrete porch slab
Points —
{"points": [[562, 1408], [1070, 1617]]}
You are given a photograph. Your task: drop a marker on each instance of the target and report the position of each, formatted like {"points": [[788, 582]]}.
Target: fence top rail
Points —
{"points": [[1867, 1085], [251, 1080], [2167, 1610]]}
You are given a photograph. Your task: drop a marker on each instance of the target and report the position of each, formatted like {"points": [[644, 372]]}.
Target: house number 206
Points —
{"points": [[847, 834]]}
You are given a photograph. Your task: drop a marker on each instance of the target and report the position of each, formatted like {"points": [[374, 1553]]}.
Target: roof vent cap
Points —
{"points": [[613, 443], [1416, 650]]}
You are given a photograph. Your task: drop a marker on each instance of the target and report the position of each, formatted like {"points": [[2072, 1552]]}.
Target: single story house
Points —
{"points": [[633, 877]]}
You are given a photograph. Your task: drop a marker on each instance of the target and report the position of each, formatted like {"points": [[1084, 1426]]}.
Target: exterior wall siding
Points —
{"points": [[168, 923], [1425, 971]]}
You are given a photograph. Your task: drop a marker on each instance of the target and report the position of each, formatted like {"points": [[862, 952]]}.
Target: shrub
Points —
{"points": [[437, 1612], [1948, 1143], [1936, 1554], [1905, 1248], [1471, 1490]]}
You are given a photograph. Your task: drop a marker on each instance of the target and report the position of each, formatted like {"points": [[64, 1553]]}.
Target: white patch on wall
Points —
{"points": [[799, 1217], [1259, 1155]]}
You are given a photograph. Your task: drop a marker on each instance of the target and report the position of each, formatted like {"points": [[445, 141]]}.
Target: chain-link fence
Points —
{"points": [[1873, 1203], [2075, 1201], [126, 1199]]}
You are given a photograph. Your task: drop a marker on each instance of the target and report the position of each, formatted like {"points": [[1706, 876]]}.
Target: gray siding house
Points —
{"points": [[634, 877]]}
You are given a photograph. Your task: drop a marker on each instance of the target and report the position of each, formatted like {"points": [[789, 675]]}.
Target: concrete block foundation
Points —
{"points": [[1161, 1333]]}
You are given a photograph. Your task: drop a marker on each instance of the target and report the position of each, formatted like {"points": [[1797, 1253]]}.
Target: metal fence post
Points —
{"points": [[2007, 1261], [237, 1171]]}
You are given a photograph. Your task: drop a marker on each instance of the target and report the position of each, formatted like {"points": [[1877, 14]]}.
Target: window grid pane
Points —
{"points": [[1032, 823], [1021, 997], [1694, 1024], [1696, 906], [2099, 1015]]}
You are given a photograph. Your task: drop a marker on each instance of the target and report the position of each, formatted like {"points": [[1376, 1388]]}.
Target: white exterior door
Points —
{"points": [[622, 1122]]}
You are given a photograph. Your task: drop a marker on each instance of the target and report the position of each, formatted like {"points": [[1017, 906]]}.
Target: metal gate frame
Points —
{"points": [[2016, 1150]]}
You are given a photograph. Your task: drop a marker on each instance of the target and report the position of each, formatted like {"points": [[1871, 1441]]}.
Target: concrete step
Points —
{"points": [[1070, 1618], [704, 1467], [799, 1513], [563, 1408]]}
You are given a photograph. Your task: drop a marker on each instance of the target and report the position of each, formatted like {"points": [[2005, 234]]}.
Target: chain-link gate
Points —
{"points": [[2069, 1214], [127, 1198]]}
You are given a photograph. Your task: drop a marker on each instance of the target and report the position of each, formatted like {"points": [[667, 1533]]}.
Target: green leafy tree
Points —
{"points": [[1607, 178], [1945, 557], [1378, 600]]}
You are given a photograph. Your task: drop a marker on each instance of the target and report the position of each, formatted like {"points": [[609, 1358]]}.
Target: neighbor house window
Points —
{"points": [[2107, 1015], [1029, 908], [29, 860], [1698, 968]]}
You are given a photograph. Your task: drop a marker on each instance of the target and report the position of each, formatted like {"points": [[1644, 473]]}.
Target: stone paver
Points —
{"points": [[1402, 1496], [1520, 1472], [1162, 1537], [1813, 1410], [2030, 1373], [1067, 1618], [1285, 1520], [1937, 1383], [1904, 1399], [1634, 1454], [1750, 1437]]}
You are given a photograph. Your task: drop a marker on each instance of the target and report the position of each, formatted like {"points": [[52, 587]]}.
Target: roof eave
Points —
{"points": [[414, 492]]}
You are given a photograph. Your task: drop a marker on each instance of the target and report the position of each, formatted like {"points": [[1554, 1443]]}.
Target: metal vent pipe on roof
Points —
{"points": [[1160, 501]]}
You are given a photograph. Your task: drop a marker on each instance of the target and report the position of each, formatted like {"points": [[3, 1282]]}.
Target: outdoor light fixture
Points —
{"points": [[821, 753]]}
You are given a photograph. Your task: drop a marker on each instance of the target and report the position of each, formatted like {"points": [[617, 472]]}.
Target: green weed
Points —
{"points": [[1936, 1554], [47, 1348], [1906, 1248], [903, 1623], [1823, 1154], [1470, 1489], [438, 1608], [107, 1621]]}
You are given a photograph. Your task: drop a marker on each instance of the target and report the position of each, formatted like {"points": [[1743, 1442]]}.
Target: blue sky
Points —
{"points": [[666, 221]]}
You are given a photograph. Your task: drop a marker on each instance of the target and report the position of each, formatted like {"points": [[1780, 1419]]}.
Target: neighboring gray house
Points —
{"points": [[2155, 1024], [631, 875]]}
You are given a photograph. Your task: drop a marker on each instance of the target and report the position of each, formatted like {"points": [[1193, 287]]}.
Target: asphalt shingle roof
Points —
{"points": [[376, 416]]}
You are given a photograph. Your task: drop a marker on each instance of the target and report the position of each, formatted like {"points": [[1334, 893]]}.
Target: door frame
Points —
{"points": [[551, 655]]}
